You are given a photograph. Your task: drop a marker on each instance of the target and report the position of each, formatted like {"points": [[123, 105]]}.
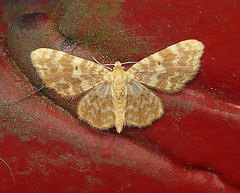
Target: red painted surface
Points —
{"points": [[193, 148]]}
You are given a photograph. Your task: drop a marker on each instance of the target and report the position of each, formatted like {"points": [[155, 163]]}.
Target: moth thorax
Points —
{"points": [[118, 82], [118, 76]]}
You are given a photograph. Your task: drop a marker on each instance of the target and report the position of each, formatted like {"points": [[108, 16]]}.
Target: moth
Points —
{"points": [[118, 97]]}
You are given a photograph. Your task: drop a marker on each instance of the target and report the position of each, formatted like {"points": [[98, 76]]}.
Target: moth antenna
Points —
{"points": [[9, 170], [108, 68], [128, 63], [105, 65], [96, 61], [108, 64]]}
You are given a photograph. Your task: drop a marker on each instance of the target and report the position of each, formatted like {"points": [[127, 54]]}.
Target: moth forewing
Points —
{"points": [[68, 75], [169, 69]]}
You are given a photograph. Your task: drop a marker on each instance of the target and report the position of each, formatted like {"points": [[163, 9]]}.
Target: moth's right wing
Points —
{"points": [[68, 75], [143, 106], [169, 69], [96, 107]]}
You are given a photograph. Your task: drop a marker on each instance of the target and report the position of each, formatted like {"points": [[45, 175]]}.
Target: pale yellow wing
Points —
{"points": [[169, 69], [68, 75], [96, 107], [143, 106]]}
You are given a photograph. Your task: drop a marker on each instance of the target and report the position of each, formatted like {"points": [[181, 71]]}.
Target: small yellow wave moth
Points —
{"points": [[117, 97]]}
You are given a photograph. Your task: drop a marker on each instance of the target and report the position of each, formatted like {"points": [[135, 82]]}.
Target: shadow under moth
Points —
{"points": [[117, 97]]}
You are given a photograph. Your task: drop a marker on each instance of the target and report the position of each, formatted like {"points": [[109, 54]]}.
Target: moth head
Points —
{"points": [[117, 64]]}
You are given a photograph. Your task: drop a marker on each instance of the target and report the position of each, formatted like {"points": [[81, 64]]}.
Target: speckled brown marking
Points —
{"points": [[97, 107], [48, 69], [183, 58], [143, 107], [119, 97]]}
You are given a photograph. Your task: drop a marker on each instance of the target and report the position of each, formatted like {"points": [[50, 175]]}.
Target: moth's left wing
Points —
{"points": [[169, 69], [96, 107], [68, 75], [143, 106]]}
